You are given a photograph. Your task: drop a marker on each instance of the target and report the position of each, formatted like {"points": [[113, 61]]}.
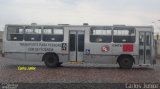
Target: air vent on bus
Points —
{"points": [[119, 25], [63, 24], [33, 23], [85, 24]]}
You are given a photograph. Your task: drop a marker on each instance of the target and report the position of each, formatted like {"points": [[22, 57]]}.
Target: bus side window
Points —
{"points": [[15, 33], [101, 36], [123, 35], [53, 35], [33, 34]]}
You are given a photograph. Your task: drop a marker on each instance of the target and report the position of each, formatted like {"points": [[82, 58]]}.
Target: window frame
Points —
{"points": [[101, 28], [125, 28], [52, 33], [34, 33], [19, 27]]}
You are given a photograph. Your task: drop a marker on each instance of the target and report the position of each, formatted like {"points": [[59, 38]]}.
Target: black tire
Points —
{"points": [[125, 62], [51, 61]]}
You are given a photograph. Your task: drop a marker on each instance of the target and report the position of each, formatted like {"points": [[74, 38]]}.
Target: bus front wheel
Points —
{"points": [[51, 61], [125, 62]]}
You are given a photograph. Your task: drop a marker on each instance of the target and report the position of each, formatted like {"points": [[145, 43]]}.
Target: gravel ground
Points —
{"points": [[87, 73]]}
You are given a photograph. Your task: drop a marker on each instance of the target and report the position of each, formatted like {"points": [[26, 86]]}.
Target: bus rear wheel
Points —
{"points": [[125, 62], [51, 61]]}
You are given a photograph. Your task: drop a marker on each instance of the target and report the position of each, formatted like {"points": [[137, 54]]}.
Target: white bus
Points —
{"points": [[56, 44]]}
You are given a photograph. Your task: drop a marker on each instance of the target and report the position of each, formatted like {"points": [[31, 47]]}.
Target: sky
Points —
{"points": [[77, 12]]}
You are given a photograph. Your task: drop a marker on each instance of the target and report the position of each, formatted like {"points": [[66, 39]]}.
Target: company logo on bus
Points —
{"points": [[105, 48]]}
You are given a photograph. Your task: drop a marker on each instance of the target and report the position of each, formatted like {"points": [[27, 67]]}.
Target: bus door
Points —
{"points": [[145, 47], [76, 46]]}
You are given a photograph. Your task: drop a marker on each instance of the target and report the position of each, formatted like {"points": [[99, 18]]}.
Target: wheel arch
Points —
{"points": [[50, 53], [128, 55]]}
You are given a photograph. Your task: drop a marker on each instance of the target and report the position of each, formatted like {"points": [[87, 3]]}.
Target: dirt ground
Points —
{"points": [[9, 72]]}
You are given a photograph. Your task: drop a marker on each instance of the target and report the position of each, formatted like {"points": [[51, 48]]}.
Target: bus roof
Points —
{"points": [[67, 25]]}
